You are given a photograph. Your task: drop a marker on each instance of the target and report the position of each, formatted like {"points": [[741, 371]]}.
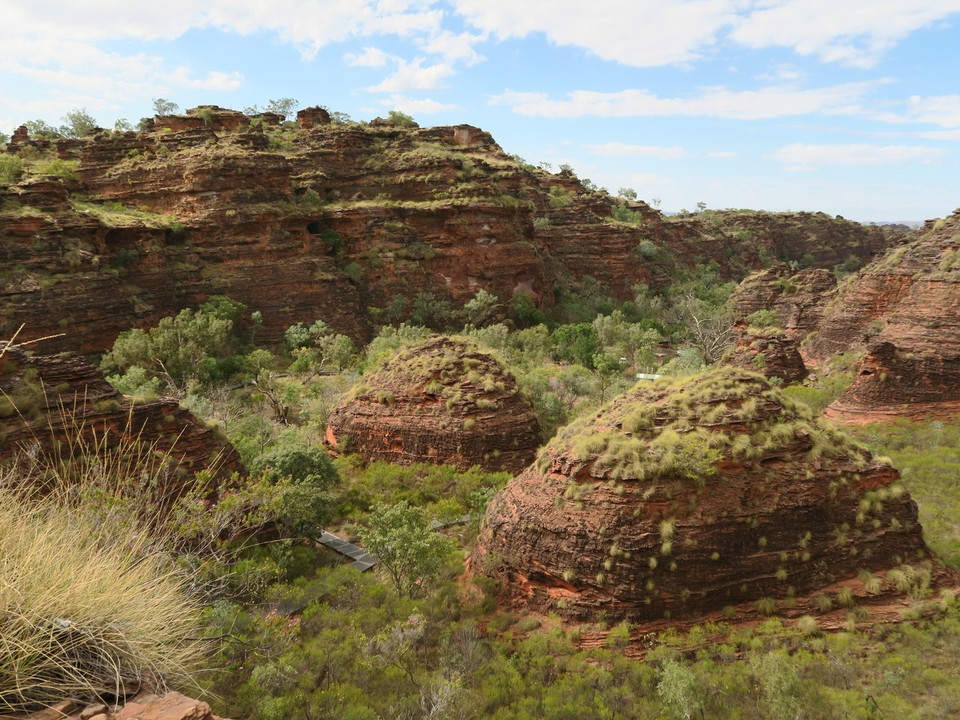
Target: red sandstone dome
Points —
{"points": [[691, 495], [442, 401]]}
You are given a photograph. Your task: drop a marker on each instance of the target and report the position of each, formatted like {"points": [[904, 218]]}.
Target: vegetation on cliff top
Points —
{"points": [[682, 427]]}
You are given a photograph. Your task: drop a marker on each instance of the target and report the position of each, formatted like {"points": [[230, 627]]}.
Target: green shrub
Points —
{"points": [[63, 169], [11, 168], [401, 119], [560, 198]]}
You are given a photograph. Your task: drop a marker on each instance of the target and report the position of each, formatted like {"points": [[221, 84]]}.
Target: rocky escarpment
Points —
{"points": [[687, 496], [797, 298], [61, 403], [903, 313], [442, 401], [322, 220]]}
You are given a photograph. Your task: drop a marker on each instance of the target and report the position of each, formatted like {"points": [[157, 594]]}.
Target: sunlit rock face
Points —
{"points": [[686, 496], [442, 401]]}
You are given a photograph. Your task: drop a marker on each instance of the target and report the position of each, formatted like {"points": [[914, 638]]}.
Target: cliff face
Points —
{"points": [[47, 400], [683, 497], [325, 221], [903, 312], [798, 298], [443, 402]]}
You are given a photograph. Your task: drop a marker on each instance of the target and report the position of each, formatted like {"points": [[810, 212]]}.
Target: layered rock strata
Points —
{"points": [[687, 496], [320, 220], [903, 313], [54, 405], [797, 298], [443, 402], [769, 351]]}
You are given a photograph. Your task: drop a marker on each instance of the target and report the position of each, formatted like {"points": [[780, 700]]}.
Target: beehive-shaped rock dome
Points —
{"points": [[442, 401], [689, 495]]}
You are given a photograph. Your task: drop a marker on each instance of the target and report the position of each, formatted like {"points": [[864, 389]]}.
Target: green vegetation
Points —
{"points": [[11, 167], [62, 169], [668, 428], [410, 553], [928, 456], [117, 215], [401, 119]]}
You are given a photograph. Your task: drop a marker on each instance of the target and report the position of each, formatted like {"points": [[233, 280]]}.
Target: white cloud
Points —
{"points": [[641, 33], [417, 106], [613, 149], [305, 23], [412, 75], [455, 47], [943, 110], [213, 80], [370, 57], [940, 134], [804, 156], [719, 102], [854, 33]]}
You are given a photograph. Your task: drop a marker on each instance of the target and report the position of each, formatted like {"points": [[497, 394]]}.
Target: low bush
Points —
{"points": [[82, 614]]}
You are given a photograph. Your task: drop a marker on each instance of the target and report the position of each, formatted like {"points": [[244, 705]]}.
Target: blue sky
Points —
{"points": [[845, 106]]}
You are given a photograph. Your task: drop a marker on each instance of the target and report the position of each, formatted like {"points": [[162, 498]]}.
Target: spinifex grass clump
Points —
{"points": [[84, 615]]}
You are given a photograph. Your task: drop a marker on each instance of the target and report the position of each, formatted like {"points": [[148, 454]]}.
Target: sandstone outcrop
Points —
{"points": [[442, 401], [798, 298], [143, 706], [903, 313], [687, 496], [324, 220], [769, 351], [63, 400]]}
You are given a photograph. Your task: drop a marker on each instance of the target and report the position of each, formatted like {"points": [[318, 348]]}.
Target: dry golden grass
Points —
{"points": [[86, 611]]}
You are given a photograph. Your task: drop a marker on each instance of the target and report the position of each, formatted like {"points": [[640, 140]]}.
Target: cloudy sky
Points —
{"points": [[847, 106]]}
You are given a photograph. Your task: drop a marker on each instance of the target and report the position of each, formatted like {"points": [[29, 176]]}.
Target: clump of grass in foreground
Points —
{"points": [[83, 616]]}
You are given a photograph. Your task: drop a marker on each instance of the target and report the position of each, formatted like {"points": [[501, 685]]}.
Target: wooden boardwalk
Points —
{"points": [[362, 560]]}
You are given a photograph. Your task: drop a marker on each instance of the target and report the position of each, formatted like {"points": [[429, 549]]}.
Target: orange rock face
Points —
{"points": [[903, 312], [772, 353], [798, 298], [683, 497], [443, 402], [323, 221], [51, 399]]}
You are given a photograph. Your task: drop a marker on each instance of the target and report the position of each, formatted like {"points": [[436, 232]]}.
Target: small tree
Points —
{"points": [[78, 123], [282, 106], [627, 193], [409, 552], [401, 119], [179, 350], [482, 309], [679, 691], [122, 125], [41, 129], [162, 106]]}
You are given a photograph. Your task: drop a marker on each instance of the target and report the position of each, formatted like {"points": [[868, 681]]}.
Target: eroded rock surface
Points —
{"points": [[687, 496], [325, 220], [903, 313], [798, 298], [769, 351], [54, 399], [442, 401]]}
